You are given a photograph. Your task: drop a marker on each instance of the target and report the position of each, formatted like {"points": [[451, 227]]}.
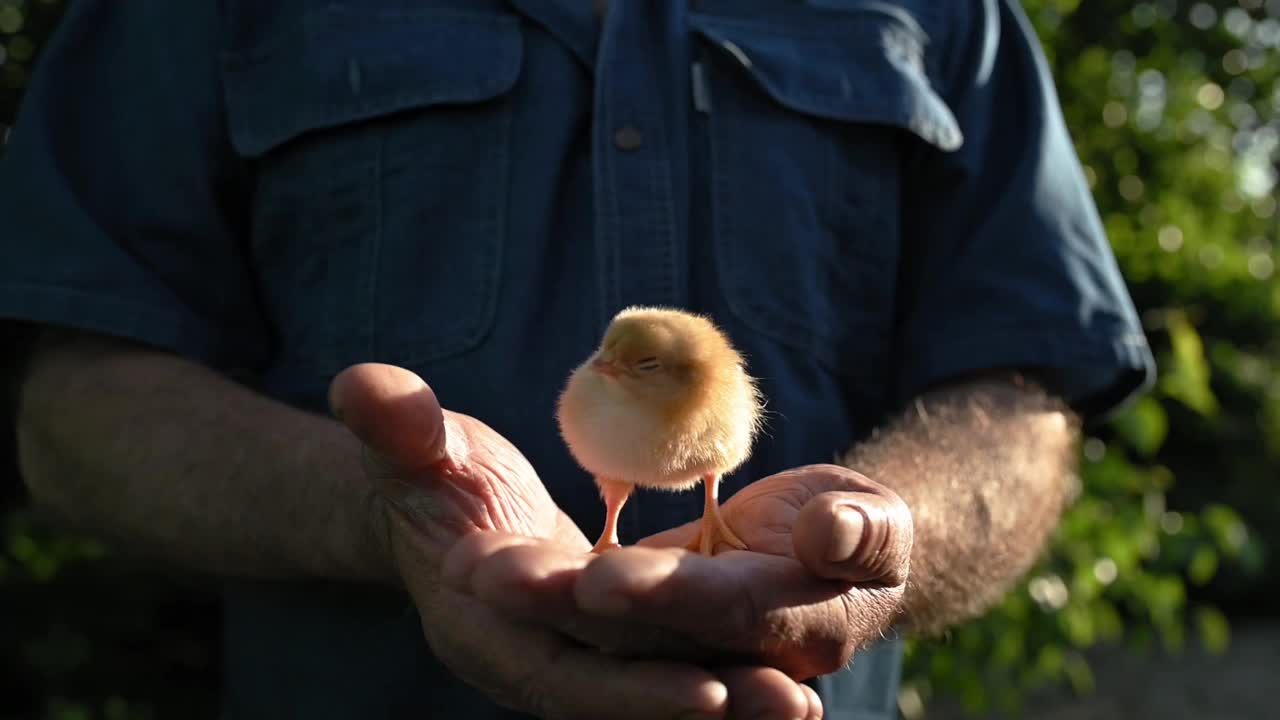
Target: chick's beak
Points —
{"points": [[606, 367]]}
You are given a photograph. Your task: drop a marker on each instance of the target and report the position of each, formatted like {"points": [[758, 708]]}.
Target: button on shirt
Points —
{"points": [[871, 198]]}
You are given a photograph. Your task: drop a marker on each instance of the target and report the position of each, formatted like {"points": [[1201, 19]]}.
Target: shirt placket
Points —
{"points": [[635, 229]]}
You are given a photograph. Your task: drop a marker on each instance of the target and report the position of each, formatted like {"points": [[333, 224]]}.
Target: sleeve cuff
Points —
{"points": [[1096, 375], [173, 330]]}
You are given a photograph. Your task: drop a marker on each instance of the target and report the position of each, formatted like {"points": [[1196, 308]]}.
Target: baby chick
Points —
{"points": [[664, 402]]}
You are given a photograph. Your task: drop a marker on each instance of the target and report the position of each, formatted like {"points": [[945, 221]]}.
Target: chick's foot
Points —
{"points": [[715, 529]]}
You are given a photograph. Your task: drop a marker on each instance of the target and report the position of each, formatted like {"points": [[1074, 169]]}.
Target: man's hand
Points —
{"points": [[981, 464], [825, 575], [447, 477], [449, 473]]}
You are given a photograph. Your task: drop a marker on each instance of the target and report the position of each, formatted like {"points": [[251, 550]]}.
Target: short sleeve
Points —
{"points": [[123, 205], [1005, 261]]}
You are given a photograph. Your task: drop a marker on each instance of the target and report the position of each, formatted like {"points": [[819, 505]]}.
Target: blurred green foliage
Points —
{"points": [[1173, 106]]}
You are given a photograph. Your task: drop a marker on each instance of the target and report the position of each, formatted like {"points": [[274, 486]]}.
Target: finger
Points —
{"points": [[858, 537], [472, 551], [528, 579], [531, 669], [649, 583], [588, 685], [739, 602], [393, 412], [532, 580], [815, 703], [762, 692]]}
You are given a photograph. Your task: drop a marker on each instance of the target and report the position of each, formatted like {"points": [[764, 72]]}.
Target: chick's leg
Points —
{"points": [[615, 495], [714, 528]]}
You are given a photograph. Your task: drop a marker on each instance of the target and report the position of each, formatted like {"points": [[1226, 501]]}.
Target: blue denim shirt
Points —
{"points": [[870, 196]]}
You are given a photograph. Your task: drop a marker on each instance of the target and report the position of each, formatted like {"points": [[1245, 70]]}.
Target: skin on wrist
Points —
{"points": [[168, 459], [984, 465]]}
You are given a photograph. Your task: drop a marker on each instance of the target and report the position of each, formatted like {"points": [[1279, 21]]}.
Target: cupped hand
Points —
{"points": [[824, 575], [448, 473], [447, 477]]}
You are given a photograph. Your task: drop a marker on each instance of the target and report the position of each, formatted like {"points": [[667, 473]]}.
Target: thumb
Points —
{"points": [[393, 412], [861, 535]]}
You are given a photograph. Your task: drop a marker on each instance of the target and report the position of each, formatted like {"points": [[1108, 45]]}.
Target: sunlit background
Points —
{"points": [[1157, 597]]}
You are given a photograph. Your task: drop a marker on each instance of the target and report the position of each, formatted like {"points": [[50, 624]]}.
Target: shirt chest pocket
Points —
{"points": [[810, 116], [380, 144]]}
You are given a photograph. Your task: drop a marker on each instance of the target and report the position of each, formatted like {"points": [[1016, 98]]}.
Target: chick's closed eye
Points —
{"points": [[648, 364]]}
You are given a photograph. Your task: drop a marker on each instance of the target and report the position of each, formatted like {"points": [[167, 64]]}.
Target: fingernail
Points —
{"points": [[846, 534]]}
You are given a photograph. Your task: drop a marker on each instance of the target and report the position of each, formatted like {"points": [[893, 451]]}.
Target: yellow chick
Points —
{"points": [[664, 402]]}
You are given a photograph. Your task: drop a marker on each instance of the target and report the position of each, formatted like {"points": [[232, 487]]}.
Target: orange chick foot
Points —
{"points": [[714, 531], [603, 545]]}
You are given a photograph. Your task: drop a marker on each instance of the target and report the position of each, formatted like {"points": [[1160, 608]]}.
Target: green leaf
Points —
{"points": [[1203, 565], [1108, 622], [1226, 527], [23, 548], [1079, 674], [20, 48], [63, 709], [10, 19], [1215, 630], [1078, 623], [1144, 425], [1051, 660], [1187, 377]]}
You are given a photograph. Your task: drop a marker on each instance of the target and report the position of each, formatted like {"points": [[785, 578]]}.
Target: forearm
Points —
{"points": [[168, 458], [984, 467]]}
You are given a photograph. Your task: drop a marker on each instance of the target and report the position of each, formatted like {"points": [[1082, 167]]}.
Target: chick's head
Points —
{"points": [[666, 357]]}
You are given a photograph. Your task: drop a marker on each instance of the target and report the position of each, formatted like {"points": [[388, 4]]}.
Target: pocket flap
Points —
{"points": [[341, 65], [860, 66]]}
